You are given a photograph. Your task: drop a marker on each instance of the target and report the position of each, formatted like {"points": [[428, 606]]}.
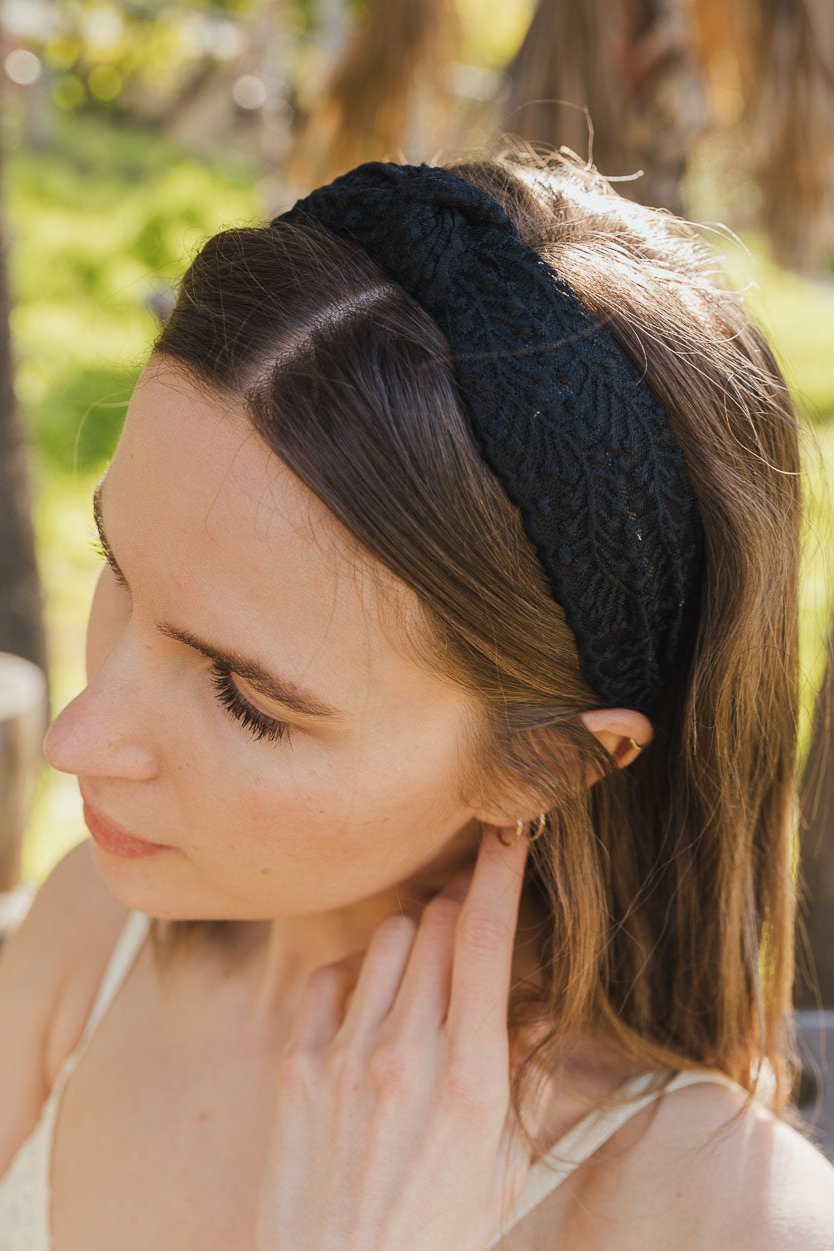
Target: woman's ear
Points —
{"points": [[615, 728]]}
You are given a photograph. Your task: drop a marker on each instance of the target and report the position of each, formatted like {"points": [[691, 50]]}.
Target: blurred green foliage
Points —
{"points": [[107, 220], [134, 58], [96, 53], [101, 227], [109, 57], [797, 314]]}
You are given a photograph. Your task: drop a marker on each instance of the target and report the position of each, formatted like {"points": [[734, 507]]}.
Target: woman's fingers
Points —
{"points": [[407, 966], [452, 964], [399, 1054], [322, 1005], [484, 946], [380, 976], [423, 998]]}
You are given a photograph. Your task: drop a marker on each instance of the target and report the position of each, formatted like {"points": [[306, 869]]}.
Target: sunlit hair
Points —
{"points": [[667, 886]]}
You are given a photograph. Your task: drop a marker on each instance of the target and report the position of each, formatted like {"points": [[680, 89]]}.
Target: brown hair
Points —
{"points": [[667, 886]]}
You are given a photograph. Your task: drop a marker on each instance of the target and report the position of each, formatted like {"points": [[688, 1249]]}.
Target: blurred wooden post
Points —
{"points": [[814, 988], [815, 1097], [817, 850], [23, 723]]}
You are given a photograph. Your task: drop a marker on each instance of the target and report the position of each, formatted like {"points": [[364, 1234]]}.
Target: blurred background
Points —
{"points": [[131, 131]]}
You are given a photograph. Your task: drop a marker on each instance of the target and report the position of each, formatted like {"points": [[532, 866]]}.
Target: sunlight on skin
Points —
{"points": [[322, 833]]}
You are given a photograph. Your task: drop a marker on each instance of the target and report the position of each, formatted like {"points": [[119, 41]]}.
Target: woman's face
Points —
{"points": [[219, 542]]}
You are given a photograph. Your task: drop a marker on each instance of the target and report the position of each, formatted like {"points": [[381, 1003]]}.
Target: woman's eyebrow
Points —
{"points": [[272, 685]]}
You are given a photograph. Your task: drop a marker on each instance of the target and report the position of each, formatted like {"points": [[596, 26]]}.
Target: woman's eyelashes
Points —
{"points": [[258, 723], [252, 719], [97, 546]]}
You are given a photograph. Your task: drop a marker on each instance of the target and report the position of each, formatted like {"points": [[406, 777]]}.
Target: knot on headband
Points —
{"points": [[582, 446]]}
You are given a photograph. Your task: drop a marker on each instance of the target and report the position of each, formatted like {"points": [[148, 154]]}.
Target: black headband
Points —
{"points": [[579, 441]]}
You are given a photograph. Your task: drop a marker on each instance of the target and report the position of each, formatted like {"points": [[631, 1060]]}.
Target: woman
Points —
{"points": [[456, 504]]}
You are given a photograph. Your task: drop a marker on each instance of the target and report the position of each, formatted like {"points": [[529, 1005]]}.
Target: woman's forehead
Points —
{"points": [[211, 523]]}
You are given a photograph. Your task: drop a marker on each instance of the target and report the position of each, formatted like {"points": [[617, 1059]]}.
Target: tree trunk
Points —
{"points": [[789, 122], [21, 610], [619, 83], [21, 602], [387, 98]]}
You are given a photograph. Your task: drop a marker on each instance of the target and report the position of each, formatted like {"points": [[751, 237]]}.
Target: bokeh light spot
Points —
{"points": [[22, 67]]}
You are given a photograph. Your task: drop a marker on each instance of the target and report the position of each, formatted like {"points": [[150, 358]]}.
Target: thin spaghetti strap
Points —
{"points": [[686, 1077], [580, 1142], [127, 947]]}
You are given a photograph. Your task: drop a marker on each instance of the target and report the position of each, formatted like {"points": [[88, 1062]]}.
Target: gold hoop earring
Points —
{"points": [[635, 745], [541, 825]]}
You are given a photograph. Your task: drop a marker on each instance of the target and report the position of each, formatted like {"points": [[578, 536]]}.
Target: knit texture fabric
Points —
{"points": [[577, 438]]}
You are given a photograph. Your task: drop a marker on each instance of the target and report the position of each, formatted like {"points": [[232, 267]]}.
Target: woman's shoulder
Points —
{"points": [[81, 923], [48, 972], [701, 1170], [721, 1172]]}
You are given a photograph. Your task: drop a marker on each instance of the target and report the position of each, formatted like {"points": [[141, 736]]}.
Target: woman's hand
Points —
{"points": [[394, 1130]]}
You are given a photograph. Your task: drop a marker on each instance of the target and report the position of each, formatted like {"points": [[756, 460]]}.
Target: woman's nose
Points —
{"points": [[106, 731]]}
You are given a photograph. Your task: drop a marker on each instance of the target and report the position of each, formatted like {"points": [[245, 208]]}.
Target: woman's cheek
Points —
{"points": [[109, 614]]}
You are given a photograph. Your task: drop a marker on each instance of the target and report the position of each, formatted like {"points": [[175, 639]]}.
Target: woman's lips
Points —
{"points": [[116, 840]]}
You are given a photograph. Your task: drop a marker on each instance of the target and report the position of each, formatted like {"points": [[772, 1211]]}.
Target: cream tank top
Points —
{"points": [[25, 1187]]}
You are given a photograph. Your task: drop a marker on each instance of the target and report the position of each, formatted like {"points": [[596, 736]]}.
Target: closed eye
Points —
{"points": [[257, 722]]}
